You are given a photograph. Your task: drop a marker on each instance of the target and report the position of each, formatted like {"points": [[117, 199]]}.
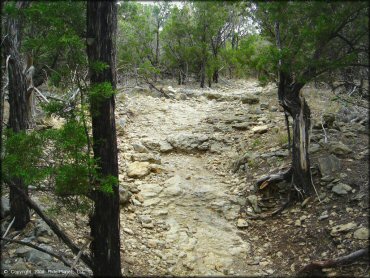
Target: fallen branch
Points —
{"points": [[10, 225], [347, 259], [60, 258], [55, 228], [79, 255]]}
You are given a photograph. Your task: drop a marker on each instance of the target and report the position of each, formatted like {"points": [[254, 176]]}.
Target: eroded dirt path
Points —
{"points": [[184, 214]]}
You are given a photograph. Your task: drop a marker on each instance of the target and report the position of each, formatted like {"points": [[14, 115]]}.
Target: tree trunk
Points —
{"points": [[202, 74], [18, 116], [104, 223], [293, 102], [157, 52], [215, 76]]}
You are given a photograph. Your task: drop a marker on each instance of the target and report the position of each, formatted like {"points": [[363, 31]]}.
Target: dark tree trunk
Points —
{"points": [[18, 112], [202, 74], [293, 102], [215, 76], [105, 226]]}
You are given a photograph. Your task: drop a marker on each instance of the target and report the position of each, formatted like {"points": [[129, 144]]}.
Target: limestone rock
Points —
{"points": [[242, 223], [124, 196], [140, 148], [241, 126], [252, 199], [189, 142], [260, 129], [142, 157], [138, 169], [343, 228], [329, 165], [341, 189], [362, 233], [339, 148]]}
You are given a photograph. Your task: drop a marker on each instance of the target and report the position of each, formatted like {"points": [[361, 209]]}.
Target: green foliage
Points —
{"points": [[311, 37], [53, 108], [98, 66], [54, 34], [101, 91], [22, 153], [107, 183]]}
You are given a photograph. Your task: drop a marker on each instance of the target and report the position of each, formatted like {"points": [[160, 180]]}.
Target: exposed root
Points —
{"points": [[274, 213], [319, 265], [274, 178]]}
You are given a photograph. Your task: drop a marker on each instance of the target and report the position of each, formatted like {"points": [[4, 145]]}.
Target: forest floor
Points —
{"points": [[188, 167]]}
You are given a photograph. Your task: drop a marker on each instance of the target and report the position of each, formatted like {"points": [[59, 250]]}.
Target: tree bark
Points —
{"points": [[293, 102], [18, 115], [105, 226]]}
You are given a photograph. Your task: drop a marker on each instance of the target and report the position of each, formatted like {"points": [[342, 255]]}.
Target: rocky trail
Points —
{"points": [[188, 168], [185, 143]]}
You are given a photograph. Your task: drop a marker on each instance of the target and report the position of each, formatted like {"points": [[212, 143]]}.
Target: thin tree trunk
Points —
{"points": [[18, 116], [215, 76], [295, 105], [105, 226]]}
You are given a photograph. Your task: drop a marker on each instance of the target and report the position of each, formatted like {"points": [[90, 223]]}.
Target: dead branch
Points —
{"points": [[154, 87], [10, 225], [79, 255], [347, 259], [55, 228], [60, 258]]}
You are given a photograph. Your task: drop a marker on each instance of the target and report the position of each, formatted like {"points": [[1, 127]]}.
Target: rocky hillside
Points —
{"points": [[189, 162]]}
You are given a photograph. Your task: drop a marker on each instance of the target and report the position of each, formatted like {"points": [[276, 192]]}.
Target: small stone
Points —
{"points": [[324, 215], [341, 189], [260, 129], [139, 148], [148, 225], [128, 231], [242, 223], [42, 239], [362, 233]]}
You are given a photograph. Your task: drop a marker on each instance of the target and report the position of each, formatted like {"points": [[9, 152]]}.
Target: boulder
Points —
{"points": [[329, 165]]}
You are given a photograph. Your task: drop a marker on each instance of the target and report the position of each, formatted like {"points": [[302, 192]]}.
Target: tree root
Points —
{"points": [[274, 213], [270, 180], [274, 178], [347, 259]]}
